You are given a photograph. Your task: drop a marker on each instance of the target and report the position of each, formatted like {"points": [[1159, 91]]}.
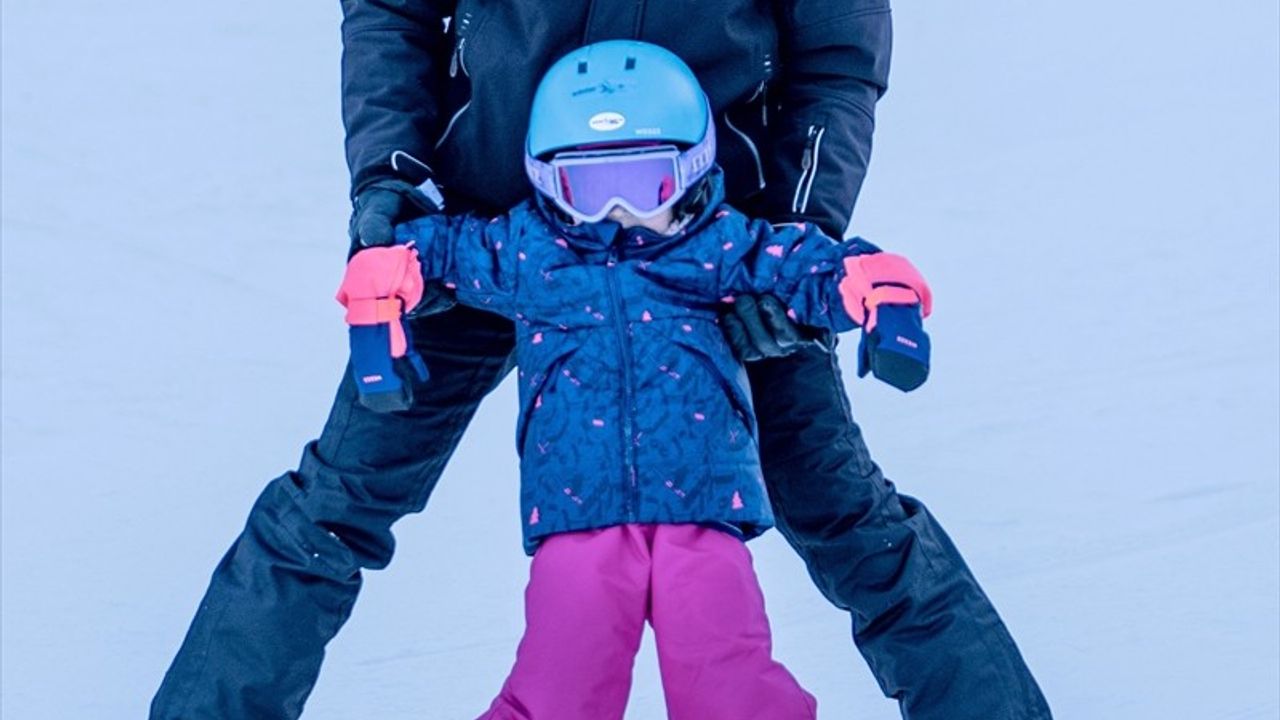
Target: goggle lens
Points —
{"points": [[591, 188]]}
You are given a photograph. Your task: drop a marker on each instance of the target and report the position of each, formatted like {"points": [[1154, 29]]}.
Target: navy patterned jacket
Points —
{"points": [[633, 408]]}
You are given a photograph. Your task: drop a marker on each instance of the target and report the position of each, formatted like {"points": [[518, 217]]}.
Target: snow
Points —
{"points": [[1091, 187]]}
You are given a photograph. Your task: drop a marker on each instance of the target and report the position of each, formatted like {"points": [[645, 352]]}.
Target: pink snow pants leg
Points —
{"points": [[585, 609], [714, 646], [589, 595]]}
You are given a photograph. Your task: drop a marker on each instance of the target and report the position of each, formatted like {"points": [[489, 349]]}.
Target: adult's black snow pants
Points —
{"points": [[289, 581]]}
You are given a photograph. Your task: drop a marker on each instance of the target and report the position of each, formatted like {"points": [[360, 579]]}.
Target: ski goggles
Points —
{"points": [[644, 181]]}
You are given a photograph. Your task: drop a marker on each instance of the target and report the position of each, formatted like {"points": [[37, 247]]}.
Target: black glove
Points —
{"points": [[408, 192], [377, 209], [380, 206], [758, 328], [383, 204]]}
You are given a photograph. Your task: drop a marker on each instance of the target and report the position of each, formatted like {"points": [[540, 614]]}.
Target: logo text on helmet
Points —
{"points": [[606, 121]]}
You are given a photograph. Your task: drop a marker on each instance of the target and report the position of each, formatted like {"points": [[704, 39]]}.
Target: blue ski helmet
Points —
{"points": [[619, 93]]}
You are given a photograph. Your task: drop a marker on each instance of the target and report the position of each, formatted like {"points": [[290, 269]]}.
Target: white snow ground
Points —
{"points": [[1091, 186]]}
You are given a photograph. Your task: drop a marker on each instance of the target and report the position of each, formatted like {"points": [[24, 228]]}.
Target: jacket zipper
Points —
{"points": [[808, 168], [637, 28], [458, 61], [755, 154], [624, 346], [764, 104], [452, 121]]}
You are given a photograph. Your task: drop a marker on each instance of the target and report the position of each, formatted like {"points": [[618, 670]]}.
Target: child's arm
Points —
{"points": [[476, 257], [836, 286], [383, 285]]}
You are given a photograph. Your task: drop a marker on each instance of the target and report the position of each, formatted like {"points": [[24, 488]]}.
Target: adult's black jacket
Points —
{"points": [[793, 85]]}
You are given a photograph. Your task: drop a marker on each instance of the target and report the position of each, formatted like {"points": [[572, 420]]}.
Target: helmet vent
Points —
{"points": [[582, 67], [631, 63]]}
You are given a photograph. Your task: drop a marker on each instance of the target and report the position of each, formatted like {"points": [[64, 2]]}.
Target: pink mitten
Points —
{"points": [[881, 279], [380, 286]]}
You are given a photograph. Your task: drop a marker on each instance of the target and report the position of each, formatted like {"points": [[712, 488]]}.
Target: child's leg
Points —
{"points": [[585, 610], [712, 633]]}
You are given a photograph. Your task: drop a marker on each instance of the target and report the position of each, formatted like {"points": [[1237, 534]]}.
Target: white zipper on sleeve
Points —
{"points": [[809, 169]]}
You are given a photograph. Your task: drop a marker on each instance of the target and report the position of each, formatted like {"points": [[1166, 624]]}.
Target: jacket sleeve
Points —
{"points": [[392, 81], [835, 66], [795, 262], [472, 255]]}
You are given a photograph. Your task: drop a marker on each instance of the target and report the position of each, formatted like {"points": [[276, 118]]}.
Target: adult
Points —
{"points": [[793, 87]]}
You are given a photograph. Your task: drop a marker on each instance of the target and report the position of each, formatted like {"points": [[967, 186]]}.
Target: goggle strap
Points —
{"points": [[697, 160], [543, 176]]}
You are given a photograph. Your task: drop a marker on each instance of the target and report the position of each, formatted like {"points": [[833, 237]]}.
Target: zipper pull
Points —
{"points": [[806, 159], [456, 58], [460, 30]]}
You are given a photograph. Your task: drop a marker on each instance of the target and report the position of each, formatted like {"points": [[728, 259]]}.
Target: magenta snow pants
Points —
{"points": [[589, 596]]}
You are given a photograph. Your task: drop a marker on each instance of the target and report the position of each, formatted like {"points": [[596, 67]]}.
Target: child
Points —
{"points": [[640, 475]]}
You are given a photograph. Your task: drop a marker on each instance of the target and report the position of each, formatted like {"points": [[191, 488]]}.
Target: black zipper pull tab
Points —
{"points": [[806, 159]]}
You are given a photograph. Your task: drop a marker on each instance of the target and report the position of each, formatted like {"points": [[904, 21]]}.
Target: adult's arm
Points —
{"points": [[392, 57], [835, 67]]}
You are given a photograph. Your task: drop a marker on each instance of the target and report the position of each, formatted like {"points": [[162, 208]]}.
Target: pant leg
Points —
{"points": [[929, 633], [714, 647], [288, 583], [585, 609]]}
